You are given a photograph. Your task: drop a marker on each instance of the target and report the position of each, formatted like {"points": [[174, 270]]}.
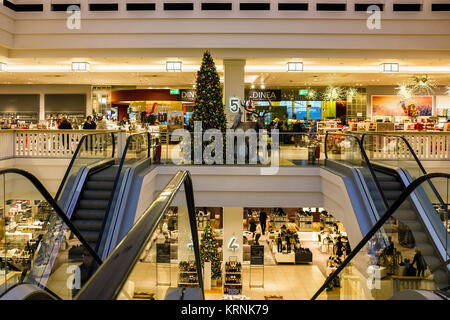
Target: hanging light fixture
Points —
{"points": [[404, 91], [333, 93], [423, 85], [351, 93]]}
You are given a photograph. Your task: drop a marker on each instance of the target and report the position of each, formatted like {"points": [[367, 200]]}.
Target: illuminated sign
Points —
{"points": [[232, 244], [174, 91], [303, 92]]}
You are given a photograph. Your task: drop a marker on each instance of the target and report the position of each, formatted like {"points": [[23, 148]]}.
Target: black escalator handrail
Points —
{"points": [[43, 191], [109, 279], [116, 182], [75, 155], [376, 227], [366, 159], [416, 158]]}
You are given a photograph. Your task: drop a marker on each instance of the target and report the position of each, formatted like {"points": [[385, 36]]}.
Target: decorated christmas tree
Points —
{"points": [[209, 251], [209, 99]]}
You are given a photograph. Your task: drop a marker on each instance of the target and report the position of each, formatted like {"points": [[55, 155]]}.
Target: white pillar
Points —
{"points": [[233, 229], [41, 106], [234, 86]]}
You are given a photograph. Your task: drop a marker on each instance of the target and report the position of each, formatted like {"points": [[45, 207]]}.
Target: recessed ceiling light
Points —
{"points": [[80, 66], [295, 66], [263, 86], [3, 67], [173, 66], [389, 67]]}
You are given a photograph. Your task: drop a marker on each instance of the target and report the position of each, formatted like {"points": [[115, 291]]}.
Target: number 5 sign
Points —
{"points": [[234, 104]]}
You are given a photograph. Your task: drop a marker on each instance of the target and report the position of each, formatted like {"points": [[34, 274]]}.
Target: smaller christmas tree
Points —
{"points": [[209, 251]]}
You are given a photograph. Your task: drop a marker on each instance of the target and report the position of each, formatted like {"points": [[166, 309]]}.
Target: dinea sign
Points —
{"points": [[264, 94]]}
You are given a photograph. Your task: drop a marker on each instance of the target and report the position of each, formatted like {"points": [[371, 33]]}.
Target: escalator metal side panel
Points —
{"points": [[356, 187]]}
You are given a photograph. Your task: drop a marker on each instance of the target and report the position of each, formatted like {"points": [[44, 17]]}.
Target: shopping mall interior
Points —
{"points": [[336, 185]]}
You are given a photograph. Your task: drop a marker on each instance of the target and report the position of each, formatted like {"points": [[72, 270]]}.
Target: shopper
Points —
{"points": [[125, 121], [65, 124], [89, 124], [421, 265], [252, 227], [262, 220], [257, 233], [298, 129], [338, 247], [101, 122]]}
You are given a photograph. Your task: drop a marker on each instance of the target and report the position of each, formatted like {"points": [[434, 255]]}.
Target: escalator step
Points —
{"points": [[90, 236], [384, 177], [420, 237], [425, 248], [414, 225], [391, 185], [432, 261], [99, 185], [392, 194], [100, 177], [402, 214], [88, 225], [89, 214], [96, 194], [93, 204]]}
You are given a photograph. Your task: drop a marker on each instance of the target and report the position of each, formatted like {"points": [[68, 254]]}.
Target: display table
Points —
{"points": [[285, 257]]}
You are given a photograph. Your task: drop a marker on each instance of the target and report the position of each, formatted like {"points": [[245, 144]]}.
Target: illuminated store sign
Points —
{"points": [[232, 244], [264, 94]]}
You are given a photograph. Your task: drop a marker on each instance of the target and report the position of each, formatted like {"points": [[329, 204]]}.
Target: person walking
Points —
{"points": [[298, 129], [101, 122], [262, 220], [421, 265], [258, 233]]}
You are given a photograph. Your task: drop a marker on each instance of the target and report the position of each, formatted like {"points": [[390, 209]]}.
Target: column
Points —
{"points": [[233, 229], [234, 86], [41, 106]]}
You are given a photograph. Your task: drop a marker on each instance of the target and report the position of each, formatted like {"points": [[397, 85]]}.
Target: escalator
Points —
{"points": [[55, 269], [370, 272], [387, 166], [95, 183]]}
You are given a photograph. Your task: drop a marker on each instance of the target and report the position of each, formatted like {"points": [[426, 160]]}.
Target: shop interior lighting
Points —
{"points": [[295, 66], [389, 67], [80, 66], [173, 66], [263, 86], [3, 67]]}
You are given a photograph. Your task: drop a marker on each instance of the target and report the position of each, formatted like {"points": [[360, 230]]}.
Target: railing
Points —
{"points": [[133, 262], [41, 143], [370, 271], [426, 145]]}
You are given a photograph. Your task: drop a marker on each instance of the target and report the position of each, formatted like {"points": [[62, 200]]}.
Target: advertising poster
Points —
{"points": [[394, 106]]}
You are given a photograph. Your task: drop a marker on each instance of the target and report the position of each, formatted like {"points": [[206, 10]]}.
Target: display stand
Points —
{"points": [[257, 266], [163, 268], [232, 277], [188, 277]]}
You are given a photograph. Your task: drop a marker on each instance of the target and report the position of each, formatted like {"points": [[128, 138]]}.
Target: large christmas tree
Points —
{"points": [[209, 98], [209, 251]]}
